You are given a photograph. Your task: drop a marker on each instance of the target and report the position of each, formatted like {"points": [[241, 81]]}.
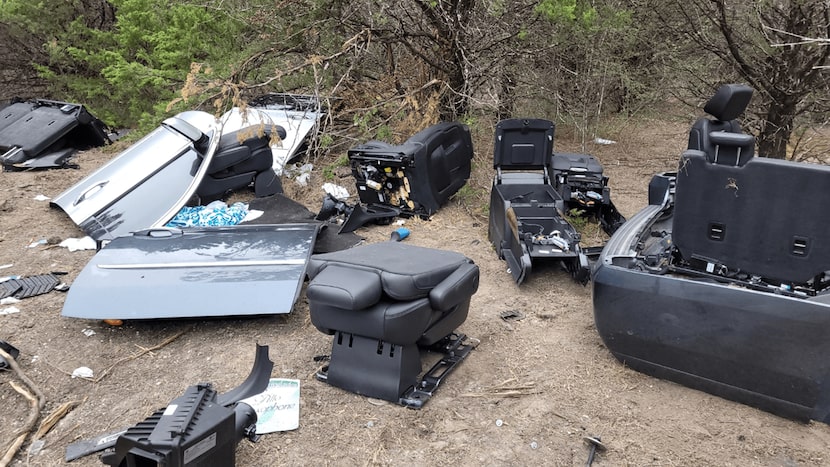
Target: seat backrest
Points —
{"points": [[755, 217], [707, 134], [523, 144]]}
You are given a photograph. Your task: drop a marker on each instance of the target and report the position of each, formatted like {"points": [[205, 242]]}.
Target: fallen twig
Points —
{"points": [[136, 355], [34, 414], [506, 389], [20, 374], [53, 418]]}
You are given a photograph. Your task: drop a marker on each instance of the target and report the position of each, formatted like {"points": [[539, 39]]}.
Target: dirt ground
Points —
{"points": [[547, 379]]}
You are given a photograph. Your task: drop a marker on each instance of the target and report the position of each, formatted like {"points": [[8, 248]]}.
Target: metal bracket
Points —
{"points": [[455, 348]]}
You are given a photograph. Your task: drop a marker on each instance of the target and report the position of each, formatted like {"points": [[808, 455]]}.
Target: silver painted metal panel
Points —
{"points": [[199, 272], [146, 185]]}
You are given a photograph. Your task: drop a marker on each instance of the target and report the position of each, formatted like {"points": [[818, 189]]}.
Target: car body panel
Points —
{"points": [[147, 184], [171, 273]]}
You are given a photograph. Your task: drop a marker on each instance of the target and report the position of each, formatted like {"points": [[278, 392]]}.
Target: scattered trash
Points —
{"points": [[499, 422], [302, 173], [6, 266], [339, 192], [37, 446], [76, 244], [253, 214], [41, 198], [9, 301], [82, 372], [534, 445], [595, 443], [215, 214], [88, 332], [278, 407], [512, 315], [399, 234], [42, 241], [604, 141], [9, 310]]}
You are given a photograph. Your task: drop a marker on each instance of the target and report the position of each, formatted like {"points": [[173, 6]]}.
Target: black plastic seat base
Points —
{"points": [[374, 381]]}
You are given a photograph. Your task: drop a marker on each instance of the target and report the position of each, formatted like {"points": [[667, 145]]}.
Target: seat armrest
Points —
{"points": [[457, 287], [345, 287]]}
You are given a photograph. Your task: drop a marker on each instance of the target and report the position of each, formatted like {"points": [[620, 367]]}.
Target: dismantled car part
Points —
{"points": [[297, 115], [720, 284], [199, 428], [242, 158], [376, 213], [333, 207], [357, 215], [580, 182], [30, 286], [171, 273], [385, 303], [9, 349], [146, 185], [527, 218], [43, 134], [418, 176]]}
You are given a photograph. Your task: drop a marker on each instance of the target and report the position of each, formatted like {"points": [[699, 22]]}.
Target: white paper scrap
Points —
{"points": [[75, 244], [337, 191], [9, 310], [278, 407], [253, 214], [82, 372]]}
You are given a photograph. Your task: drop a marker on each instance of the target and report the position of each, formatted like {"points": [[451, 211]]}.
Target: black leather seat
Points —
{"points": [[721, 138], [242, 157], [383, 302]]}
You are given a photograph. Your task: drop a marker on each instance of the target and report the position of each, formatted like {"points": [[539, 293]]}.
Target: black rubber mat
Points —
{"points": [[29, 286]]}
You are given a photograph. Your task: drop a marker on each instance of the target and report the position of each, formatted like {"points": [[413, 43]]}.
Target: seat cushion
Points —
{"points": [[407, 272], [400, 323], [345, 287]]}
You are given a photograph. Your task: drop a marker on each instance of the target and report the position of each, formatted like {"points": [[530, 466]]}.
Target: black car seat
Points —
{"points": [[243, 157]]}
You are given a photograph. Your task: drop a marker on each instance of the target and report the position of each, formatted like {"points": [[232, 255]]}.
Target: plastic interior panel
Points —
{"points": [[523, 144], [38, 130]]}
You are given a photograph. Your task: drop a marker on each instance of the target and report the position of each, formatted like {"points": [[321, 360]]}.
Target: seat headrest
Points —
{"points": [[729, 102]]}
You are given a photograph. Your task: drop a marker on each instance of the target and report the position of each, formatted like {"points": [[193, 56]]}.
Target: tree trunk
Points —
{"points": [[776, 129]]}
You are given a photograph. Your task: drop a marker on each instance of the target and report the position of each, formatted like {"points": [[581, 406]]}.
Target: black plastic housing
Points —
{"points": [[418, 176]]}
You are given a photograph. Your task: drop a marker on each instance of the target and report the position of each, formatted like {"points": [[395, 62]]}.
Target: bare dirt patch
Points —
{"points": [[546, 377]]}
